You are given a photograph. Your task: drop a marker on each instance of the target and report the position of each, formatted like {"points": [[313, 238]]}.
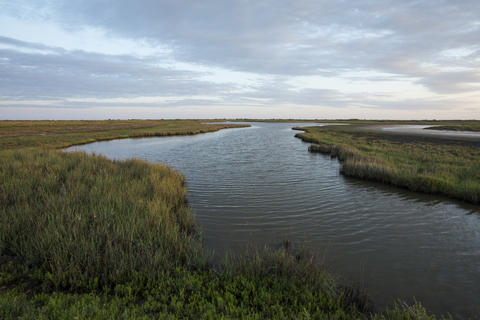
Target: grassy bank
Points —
{"points": [[61, 134], [448, 170], [86, 237], [76, 217]]}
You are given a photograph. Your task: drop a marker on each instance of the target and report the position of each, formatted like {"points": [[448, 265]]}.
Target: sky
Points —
{"points": [[204, 59]]}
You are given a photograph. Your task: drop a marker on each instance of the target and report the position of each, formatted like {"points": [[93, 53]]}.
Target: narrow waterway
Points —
{"points": [[261, 184]]}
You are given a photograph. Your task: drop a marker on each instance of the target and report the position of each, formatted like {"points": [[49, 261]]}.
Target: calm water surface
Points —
{"points": [[261, 184]]}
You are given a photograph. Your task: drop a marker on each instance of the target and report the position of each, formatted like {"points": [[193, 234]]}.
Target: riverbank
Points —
{"points": [[444, 165], [63, 134], [84, 236]]}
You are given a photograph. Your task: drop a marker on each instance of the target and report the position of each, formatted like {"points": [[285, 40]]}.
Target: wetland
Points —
{"points": [[112, 233], [261, 184]]}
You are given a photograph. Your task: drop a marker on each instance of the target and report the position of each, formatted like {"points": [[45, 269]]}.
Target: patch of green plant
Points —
{"points": [[86, 221], [260, 293], [451, 171], [16, 305]]}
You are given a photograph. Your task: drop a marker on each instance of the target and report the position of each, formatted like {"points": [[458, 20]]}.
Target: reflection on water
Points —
{"points": [[260, 184]]}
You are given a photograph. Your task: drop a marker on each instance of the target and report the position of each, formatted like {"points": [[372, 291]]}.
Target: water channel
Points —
{"points": [[261, 184]]}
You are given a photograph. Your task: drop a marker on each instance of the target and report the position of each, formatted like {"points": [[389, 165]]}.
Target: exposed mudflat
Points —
{"points": [[417, 133]]}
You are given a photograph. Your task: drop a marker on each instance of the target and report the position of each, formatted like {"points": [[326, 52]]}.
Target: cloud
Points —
{"points": [[61, 74], [285, 37], [453, 82], [431, 43], [19, 45]]}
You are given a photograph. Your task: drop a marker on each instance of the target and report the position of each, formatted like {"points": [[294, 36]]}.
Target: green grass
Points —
{"points": [[77, 217], [186, 294], [86, 237], [451, 171]]}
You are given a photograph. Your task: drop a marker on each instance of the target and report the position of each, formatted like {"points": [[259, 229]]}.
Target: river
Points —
{"points": [[261, 184]]}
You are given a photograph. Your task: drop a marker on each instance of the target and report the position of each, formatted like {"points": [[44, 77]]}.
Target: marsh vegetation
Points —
{"points": [[83, 236], [62, 134], [441, 167]]}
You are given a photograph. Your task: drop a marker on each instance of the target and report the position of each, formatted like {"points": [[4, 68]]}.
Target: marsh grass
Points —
{"points": [[82, 236], [62, 134], [50, 127], [452, 171], [302, 267], [79, 218], [261, 284]]}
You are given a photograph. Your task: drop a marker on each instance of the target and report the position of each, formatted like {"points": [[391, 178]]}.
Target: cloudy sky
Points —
{"points": [[322, 59]]}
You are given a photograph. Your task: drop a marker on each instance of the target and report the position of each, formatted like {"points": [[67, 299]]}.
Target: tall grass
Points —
{"points": [[303, 267], [80, 218], [451, 171]]}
